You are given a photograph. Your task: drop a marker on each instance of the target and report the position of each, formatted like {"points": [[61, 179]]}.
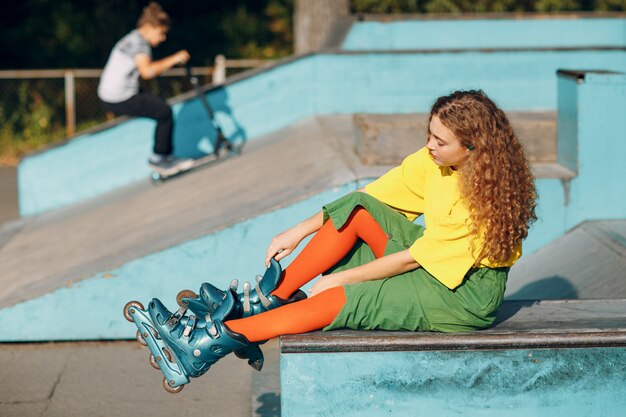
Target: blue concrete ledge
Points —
{"points": [[542, 358], [267, 100], [512, 383], [505, 32]]}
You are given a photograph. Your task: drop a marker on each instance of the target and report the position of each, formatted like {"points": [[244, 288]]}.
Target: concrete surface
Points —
{"points": [[388, 138], [8, 194], [114, 379], [563, 268]]}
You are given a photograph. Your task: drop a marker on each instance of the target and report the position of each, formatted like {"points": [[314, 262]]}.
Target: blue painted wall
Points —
{"points": [[512, 383], [567, 123], [592, 141], [599, 191], [551, 212], [486, 33], [94, 164]]}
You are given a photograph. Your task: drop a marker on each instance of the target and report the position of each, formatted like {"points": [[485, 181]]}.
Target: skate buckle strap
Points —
{"points": [[191, 324], [233, 285], [212, 330], [176, 316], [264, 300], [246, 297]]}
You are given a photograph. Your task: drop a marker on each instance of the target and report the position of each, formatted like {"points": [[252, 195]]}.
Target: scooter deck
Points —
{"points": [[161, 176]]}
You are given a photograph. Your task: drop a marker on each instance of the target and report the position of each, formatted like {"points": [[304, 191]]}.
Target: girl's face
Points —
{"points": [[445, 149], [155, 35]]}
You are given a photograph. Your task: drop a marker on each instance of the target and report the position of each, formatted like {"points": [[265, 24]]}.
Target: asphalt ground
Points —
{"points": [[105, 379]]}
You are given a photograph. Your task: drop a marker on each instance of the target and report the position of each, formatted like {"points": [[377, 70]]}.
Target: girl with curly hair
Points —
{"points": [[472, 184]]}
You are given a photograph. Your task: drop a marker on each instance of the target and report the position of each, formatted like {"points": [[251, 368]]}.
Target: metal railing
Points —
{"points": [[171, 83]]}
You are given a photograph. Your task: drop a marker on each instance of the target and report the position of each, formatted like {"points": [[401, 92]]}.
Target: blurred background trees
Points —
{"points": [[81, 33]]}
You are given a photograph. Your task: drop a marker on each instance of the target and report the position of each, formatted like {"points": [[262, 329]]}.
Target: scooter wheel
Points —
{"points": [[156, 178]]}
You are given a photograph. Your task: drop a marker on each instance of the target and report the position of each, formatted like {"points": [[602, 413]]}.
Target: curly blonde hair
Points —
{"points": [[495, 180]]}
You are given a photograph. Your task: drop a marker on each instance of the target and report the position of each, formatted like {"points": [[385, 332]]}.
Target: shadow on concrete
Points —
{"points": [[270, 405], [194, 133], [550, 288]]}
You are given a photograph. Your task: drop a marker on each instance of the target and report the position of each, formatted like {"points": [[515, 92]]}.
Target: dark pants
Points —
{"points": [[147, 105]]}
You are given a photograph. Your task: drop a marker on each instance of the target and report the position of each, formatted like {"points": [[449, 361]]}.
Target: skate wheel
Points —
{"points": [[185, 294], [132, 305], [168, 354], [154, 362], [141, 339], [171, 389], [155, 333]]}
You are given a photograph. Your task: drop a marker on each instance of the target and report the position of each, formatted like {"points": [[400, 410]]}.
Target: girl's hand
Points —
{"points": [[324, 283], [283, 244]]}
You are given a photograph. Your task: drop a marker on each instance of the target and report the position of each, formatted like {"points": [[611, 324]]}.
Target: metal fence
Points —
{"points": [[64, 102]]}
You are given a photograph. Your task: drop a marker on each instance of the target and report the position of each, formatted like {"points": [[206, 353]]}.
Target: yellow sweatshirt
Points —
{"points": [[419, 186]]}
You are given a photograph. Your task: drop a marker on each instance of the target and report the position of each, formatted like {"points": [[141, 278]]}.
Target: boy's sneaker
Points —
{"points": [[169, 164]]}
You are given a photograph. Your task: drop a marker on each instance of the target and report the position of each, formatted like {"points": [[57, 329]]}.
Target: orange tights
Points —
{"points": [[325, 249]]}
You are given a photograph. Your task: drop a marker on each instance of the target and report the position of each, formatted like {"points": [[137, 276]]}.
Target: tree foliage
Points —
{"points": [[485, 6], [81, 33]]}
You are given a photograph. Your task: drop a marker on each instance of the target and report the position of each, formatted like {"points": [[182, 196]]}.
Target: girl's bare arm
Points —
{"points": [[286, 242], [387, 266]]}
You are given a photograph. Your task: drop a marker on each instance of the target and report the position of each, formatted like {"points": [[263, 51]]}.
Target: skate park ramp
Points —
{"points": [[518, 71], [137, 241], [210, 225], [302, 149]]}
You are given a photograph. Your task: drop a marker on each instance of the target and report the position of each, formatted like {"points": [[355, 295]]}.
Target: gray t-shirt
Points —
{"points": [[120, 78]]}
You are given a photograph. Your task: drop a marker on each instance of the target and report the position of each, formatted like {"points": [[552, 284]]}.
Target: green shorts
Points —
{"points": [[414, 300]]}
